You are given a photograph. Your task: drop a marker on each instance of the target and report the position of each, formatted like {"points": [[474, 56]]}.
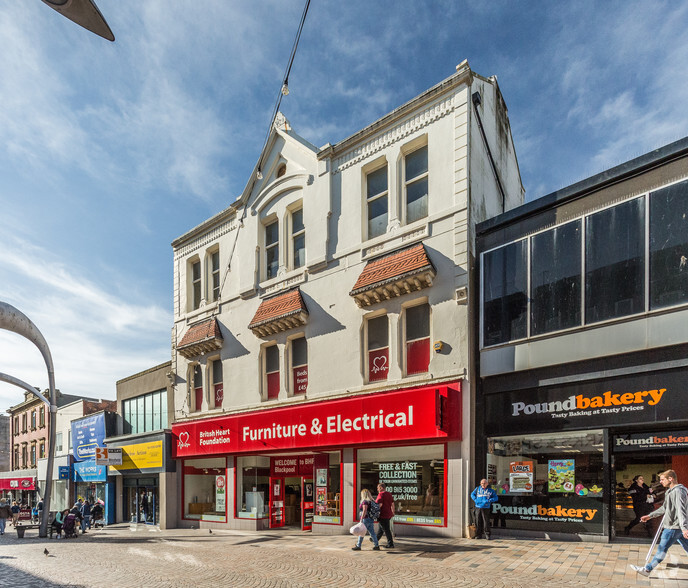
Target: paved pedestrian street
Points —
{"points": [[123, 556]]}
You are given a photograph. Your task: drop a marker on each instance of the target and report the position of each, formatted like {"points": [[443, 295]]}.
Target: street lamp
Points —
{"points": [[85, 13], [14, 320]]}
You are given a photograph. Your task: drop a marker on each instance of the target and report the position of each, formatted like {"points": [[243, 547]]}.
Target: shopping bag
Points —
{"points": [[359, 530], [472, 531]]}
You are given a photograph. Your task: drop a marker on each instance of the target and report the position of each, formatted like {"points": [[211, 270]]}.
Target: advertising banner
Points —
{"points": [[641, 441], [17, 484], [87, 434], [220, 493], [109, 455], [644, 398], [141, 456], [89, 471], [65, 473], [521, 477], [301, 465], [558, 513], [431, 412]]}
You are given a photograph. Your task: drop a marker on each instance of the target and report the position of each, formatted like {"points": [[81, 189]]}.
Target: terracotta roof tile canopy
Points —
{"points": [[394, 274], [279, 313], [201, 338]]}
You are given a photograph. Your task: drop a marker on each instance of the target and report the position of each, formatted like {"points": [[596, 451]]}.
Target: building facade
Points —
{"points": [[146, 481], [321, 341], [582, 348]]}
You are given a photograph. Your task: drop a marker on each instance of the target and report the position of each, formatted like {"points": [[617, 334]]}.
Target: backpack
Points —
{"points": [[373, 510]]}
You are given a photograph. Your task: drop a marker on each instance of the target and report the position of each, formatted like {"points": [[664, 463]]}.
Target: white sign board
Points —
{"points": [[108, 456]]}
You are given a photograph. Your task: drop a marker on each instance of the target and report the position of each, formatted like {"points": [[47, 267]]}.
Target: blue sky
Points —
{"points": [[109, 151]]}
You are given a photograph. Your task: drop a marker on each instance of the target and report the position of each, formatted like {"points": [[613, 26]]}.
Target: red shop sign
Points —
{"points": [[17, 484], [430, 412]]}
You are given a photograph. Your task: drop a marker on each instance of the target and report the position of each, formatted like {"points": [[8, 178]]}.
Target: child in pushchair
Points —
{"points": [[69, 526], [97, 515]]}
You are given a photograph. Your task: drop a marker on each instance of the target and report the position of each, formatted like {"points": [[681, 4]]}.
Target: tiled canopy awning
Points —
{"points": [[394, 274], [201, 338], [279, 313]]}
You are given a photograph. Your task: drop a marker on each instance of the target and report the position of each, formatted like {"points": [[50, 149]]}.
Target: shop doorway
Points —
{"points": [[141, 501], [291, 502], [626, 511]]}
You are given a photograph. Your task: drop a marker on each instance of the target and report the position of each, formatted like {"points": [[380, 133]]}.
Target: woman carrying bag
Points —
{"points": [[367, 520]]}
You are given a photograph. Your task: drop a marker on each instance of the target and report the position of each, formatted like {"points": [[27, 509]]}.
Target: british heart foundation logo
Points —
{"points": [[183, 440]]}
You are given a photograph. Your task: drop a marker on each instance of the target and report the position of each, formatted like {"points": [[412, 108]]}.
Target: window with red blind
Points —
{"points": [[299, 365], [417, 339], [198, 387], [378, 348], [272, 375], [218, 388]]}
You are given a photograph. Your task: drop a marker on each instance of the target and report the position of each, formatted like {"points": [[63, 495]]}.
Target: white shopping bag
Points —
{"points": [[359, 530]]}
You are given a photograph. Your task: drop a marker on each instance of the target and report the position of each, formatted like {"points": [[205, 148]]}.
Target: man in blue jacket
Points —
{"points": [[483, 496]]}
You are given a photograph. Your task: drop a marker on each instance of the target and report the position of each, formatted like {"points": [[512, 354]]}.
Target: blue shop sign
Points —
{"points": [[87, 434], [88, 471], [65, 473]]}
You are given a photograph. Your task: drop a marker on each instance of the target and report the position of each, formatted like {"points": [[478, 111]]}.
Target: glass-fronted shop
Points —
{"points": [[291, 467], [562, 458]]}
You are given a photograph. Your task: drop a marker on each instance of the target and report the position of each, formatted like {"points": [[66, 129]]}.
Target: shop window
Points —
{"points": [[378, 348], [555, 279], [548, 482], [271, 250], [197, 388], [417, 323], [217, 383], [58, 442], [377, 202], [272, 372], [615, 261], [328, 488], [415, 476], [299, 365], [253, 479], [669, 246], [416, 184], [298, 239], [145, 413], [205, 489], [196, 285], [214, 276], [505, 293]]}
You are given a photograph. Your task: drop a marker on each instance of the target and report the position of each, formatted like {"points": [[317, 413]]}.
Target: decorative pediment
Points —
{"points": [[279, 313], [201, 338], [395, 274]]}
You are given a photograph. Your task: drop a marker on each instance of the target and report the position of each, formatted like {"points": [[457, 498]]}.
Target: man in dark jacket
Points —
{"points": [[386, 502], [483, 497]]}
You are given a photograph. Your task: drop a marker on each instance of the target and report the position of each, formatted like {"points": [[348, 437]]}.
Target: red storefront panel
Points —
{"points": [[17, 484], [428, 413]]}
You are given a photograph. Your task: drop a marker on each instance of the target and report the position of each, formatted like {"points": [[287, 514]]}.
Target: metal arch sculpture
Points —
{"points": [[16, 321], [85, 13]]}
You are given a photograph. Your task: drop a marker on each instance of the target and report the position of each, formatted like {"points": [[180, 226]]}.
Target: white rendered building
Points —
{"points": [[321, 341]]}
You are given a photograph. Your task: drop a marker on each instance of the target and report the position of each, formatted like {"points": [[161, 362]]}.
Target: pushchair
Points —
{"points": [[69, 527], [97, 519]]}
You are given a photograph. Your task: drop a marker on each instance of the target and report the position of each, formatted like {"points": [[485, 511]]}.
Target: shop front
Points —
{"points": [[91, 482], [145, 480], [304, 466], [562, 458], [19, 488]]}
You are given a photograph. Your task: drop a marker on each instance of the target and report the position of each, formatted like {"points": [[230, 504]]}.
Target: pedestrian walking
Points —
{"points": [[15, 509], [386, 502], [483, 496], [367, 519], [643, 501], [86, 512], [5, 513], [675, 521]]}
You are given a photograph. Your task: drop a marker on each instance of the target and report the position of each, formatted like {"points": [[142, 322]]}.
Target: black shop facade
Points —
{"points": [[562, 457]]}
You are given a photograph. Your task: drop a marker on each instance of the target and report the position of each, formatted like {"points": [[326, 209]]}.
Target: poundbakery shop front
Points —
{"points": [[303, 466], [562, 457]]}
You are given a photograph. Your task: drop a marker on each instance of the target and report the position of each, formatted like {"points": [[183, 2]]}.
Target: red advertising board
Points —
{"points": [[430, 412], [17, 484]]}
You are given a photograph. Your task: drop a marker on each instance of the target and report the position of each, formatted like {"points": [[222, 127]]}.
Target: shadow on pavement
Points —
{"points": [[13, 577]]}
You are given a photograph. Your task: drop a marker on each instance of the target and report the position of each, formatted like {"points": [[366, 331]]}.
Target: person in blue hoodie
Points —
{"points": [[483, 496]]}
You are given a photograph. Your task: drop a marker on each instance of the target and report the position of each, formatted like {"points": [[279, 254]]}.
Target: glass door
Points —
{"points": [[306, 504], [276, 503]]}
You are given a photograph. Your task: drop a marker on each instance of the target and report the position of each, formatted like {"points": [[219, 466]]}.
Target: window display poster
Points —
{"points": [[321, 499], [561, 475], [220, 493], [321, 477], [401, 479], [521, 477]]}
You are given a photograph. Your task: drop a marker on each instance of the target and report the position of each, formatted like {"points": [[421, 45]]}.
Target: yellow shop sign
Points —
{"points": [[140, 456]]}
